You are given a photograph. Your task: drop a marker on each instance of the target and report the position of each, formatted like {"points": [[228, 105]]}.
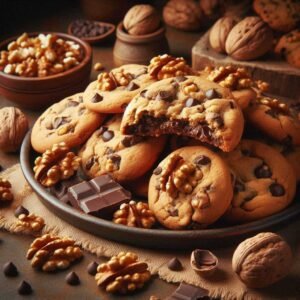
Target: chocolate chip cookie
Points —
{"points": [[125, 157], [275, 118], [264, 182], [66, 121], [112, 91], [190, 188], [189, 106]]}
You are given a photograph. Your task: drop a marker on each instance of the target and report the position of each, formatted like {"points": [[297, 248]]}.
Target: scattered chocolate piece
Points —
{"points": [[99, 196], [72, 279], [211, 94], [25, 288], [202, 160], [174, 264], [10, 270], [87, 28], [165, 96], [92, 268], [21, 210], [277, 190], [96, 98], [188, 292], [157, 171], [203, 262], [263, 171], [107, 135], [191, 102], [132, 86]]}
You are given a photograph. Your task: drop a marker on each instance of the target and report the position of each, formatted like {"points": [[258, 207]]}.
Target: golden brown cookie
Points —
{"points": [[188, 106], [264, 182], [67, 121], [190, 188], [125, 157]]}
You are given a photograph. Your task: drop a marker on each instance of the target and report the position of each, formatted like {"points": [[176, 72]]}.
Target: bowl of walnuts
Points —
{"points": [[37, 69]]}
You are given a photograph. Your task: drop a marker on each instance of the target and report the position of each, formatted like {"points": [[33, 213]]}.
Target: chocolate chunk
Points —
{"points": [[202, 160], [174, 264], [109, 151], [116, 159], [98, 196], [165, 96], [92, 268], [239, 186], [263, 171], [180, 78], [101, 130], [188, 292], [87, 28], [219, 121], [157, 171], [271, 112], [90, 162], [72, 103], [96, 98], [129, 141], [277, 190], [212, 94], [10, 270], [143, 93], [56, 122], [132, 86], [191, 102], [25, 288], [206, 133], [21, 210], [72, 279], [107, 135]]}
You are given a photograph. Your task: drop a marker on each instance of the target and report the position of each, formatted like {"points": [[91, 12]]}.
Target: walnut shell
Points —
{"points": [[141, 19], [219, 32], [183, 14], [249, 39], [14, 125], [262, 260]]}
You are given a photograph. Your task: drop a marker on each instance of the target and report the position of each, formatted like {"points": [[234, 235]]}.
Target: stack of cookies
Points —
{"points": [[176, 137]]}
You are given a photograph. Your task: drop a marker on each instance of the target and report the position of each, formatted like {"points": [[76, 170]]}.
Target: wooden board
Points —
{"points": [[284, 79]]}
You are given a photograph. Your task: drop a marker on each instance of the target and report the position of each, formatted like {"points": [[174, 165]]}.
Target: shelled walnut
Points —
{"points": [[51, 253], [6, 195], [55, 165], [166, 66], [275, 104], [123, 273], [134, 214], [106, 82], [30, 223]]}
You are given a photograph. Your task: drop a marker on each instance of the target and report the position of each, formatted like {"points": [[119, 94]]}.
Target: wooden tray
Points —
{"points": [[278, 73], [148, 238]]}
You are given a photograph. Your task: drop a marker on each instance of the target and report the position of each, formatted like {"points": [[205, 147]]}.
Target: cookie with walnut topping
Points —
{"points": [[264, 182], [67, 121], [190, 188], [188, 106], [125, 157], [112, 91]]}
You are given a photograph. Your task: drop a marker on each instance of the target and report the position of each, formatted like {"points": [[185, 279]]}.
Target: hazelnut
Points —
{"points": [[183, 14], [262, 260], [14, 125], [141, 19], [219, 32]]}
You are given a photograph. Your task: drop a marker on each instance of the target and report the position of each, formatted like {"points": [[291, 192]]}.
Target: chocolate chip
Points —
{"points": [[232, 104], [107, 135], [92, 268], [180, 78], [174, 264], [21, 210], [239, 186], [10, 270], [116, 159], [96, 98], [101, 130], [272, 113], [206, 132], [263, 171], [72, 279], [165, 96], [132, 86], [90, 162], [157, 171], [219, 121], [277, 190], [191, 102], [212, 94], [202, 160], [25, 288], [129, 141], [108, 151], [143, 93], [57, 122], [72, 103]]}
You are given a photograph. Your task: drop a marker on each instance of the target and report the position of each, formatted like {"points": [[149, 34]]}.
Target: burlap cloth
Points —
{"points": [[224, 284]]}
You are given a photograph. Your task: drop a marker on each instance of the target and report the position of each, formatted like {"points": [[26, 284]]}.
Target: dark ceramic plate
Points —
{"points": [[148, 238]]}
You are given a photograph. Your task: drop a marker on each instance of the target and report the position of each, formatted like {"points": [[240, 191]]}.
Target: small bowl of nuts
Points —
{"points": [[38, 69]]}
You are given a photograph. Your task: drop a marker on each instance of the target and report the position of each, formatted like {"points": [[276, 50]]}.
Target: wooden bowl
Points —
{"points": [[39, 92], [160, 238], [98, 38]]}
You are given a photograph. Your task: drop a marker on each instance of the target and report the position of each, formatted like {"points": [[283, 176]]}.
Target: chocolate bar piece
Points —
{"points": [[99, 196], [189, 292]]}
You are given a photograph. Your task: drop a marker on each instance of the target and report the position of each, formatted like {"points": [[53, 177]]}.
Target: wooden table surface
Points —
{"points": [[14, 247]]}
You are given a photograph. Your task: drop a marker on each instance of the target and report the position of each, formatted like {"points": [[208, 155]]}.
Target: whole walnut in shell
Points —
{"points": [[219, 33], [262, 260], [141, 19], [249, 39], [14, 125], [183, 14]]}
